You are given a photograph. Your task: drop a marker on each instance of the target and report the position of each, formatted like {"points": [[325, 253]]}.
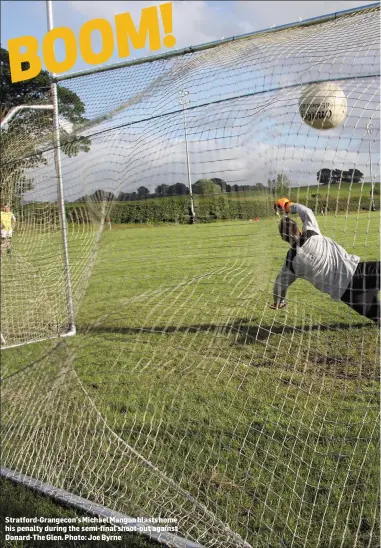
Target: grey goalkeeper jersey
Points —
{"points": [[319, 260]]}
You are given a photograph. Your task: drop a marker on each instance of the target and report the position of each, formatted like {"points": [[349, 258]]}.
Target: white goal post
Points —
{"points": [[53, 326]]}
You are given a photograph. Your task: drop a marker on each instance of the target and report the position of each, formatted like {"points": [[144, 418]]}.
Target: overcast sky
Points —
{"points": [[194, 22]]}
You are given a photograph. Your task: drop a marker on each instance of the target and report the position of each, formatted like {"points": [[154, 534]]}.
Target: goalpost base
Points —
{"points": [[70, 333]]}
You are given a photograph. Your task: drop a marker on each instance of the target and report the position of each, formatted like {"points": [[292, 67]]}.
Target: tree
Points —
{"points": [[272, 186], [283, 184], [355, 175], [29, 135], [162, 190], [206, 187], [324, 176], [279, 186], [332, 176], [220, 182], [102, 196], [260, 187], [180, 189], [143, 192]]}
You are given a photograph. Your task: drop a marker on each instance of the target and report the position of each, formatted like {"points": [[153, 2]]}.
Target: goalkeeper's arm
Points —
{"points": [[282, 283], [305, 213], [307, 216]]}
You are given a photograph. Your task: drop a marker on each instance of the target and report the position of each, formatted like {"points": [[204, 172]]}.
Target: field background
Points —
{"points": [[269, 419], [338, 198]]}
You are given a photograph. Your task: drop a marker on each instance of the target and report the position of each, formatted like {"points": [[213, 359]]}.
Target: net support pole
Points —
{"points": [[369, 131], [61, 202], [183, 102]]}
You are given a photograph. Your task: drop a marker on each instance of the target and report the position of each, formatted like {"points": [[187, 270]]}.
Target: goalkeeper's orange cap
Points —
{"points": [[283, 203]]}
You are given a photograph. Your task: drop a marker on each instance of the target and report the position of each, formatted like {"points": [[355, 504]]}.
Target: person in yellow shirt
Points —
{"points": [[8, 221]]}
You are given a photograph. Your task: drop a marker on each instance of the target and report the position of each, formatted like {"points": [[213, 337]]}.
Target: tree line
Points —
{"points": [[202, 187], [331, 176], [280, 185]]}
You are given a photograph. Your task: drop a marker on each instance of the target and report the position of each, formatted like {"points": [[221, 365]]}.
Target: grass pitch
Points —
{"points": [[182, 385]]}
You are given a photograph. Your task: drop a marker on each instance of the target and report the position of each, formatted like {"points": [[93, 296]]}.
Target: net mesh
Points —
{"points": [[184, 395]]}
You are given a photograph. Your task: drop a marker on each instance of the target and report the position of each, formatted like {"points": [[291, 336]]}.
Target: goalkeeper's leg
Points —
{"points": [[362, 293], [366, 277], [365, 303]]}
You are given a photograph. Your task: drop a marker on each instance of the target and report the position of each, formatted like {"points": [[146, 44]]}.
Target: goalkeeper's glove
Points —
{"points": [[283, 204]]}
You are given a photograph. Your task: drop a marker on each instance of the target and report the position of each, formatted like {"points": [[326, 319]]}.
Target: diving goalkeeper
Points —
{"points": [[325, 264]]}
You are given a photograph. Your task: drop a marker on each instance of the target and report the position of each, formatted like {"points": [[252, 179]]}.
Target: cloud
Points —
{"points": [[194, 22], [261, 15], [191, 19], [198, 22]]}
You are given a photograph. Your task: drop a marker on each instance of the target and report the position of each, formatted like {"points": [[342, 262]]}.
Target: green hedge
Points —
{"points": [[207, 209], [222, 207], [167, 210]]}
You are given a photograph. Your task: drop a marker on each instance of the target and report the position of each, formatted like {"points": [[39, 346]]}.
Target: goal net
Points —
{"points": [[38, 291], [184, 396]]}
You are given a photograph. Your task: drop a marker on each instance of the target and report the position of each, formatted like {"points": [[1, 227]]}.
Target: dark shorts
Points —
{"points": [[362, 292]]}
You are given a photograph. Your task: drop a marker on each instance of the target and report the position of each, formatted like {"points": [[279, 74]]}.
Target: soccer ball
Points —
{"points": [[323, 106]]}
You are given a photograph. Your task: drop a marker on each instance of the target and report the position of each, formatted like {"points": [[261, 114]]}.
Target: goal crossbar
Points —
{"points": [[215, 43]]}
